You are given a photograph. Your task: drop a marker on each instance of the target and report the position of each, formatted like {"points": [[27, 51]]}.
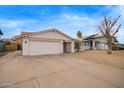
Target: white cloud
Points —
{"points": [[116, 11], [75, 22], [71, 17], [14, 27], [68, 22], [15, 23], [88, 25]]}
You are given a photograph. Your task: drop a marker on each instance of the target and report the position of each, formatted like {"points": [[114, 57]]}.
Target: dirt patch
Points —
{"points": [[116, 59]]}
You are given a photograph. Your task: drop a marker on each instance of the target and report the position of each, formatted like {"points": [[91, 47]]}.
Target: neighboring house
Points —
{"points": [[120, 46], [95, 42], [16, 41], [1, 34], [51, 41], [98, 41], [2, 46]]}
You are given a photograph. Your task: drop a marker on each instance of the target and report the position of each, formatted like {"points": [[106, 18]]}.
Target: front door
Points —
{"points": [[64, 46], [91, 45], [18, 47]]}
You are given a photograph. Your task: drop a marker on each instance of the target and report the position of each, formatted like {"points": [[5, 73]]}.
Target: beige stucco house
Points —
{"points": [[95, 42], [51, 41], [98, 41]]}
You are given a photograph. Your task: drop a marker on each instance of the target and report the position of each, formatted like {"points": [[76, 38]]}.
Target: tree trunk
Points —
{"points": [[109, 43], [109, 50], [78, 47]]}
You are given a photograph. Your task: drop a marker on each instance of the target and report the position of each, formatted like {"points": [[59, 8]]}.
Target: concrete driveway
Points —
{"points": [[56, 71]]}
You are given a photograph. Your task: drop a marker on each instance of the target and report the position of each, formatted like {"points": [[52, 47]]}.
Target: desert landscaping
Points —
{"points": [[116, 59]]}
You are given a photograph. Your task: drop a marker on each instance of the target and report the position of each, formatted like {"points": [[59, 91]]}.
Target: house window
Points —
{"points": [[86, 43], [96, 43]]}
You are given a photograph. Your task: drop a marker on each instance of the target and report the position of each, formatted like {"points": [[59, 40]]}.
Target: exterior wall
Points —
{"points": [[102, 43], [45, 43], [101, 40], [102, 46], [25, 47], [61, 46], [51, 35], [72, 47], [97, 43], [86, 46]]}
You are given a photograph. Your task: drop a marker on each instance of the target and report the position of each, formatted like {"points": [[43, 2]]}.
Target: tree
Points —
{"points": [[79, 34], [109, 28], [78, 45], [7, 41]]}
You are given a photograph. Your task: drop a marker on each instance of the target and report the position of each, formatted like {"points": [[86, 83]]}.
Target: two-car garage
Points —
{"points": [[45, 47], [47, 42]]}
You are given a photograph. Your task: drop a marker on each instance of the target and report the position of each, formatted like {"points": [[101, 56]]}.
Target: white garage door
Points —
{"points": [[41, 48]]}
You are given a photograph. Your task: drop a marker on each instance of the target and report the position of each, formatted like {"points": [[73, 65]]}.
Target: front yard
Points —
{"points": [[116, 59]]}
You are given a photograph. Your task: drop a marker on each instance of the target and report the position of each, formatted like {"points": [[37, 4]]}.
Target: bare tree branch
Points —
{"points": [[105, 20], [117, 30], [102, 31], [115, 21], [109, 23], [103, 25]]}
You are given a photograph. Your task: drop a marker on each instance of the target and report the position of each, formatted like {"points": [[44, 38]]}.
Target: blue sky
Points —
{"points": [[69, 19]]}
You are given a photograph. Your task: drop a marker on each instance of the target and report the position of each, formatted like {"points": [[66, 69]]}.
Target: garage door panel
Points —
{"points": [[39, 48]]}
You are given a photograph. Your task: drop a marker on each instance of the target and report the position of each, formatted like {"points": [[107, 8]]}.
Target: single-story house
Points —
{"points": [[51, 41], [16, 42], [98, 41], [95, 42], [1, 34], [2, 45]]}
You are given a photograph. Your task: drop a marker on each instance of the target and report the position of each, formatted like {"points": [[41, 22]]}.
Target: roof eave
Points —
{"points": [[54, 29]]}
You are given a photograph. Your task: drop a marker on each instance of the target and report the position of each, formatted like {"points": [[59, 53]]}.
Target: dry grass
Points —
{"points": [[116, 59]]}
